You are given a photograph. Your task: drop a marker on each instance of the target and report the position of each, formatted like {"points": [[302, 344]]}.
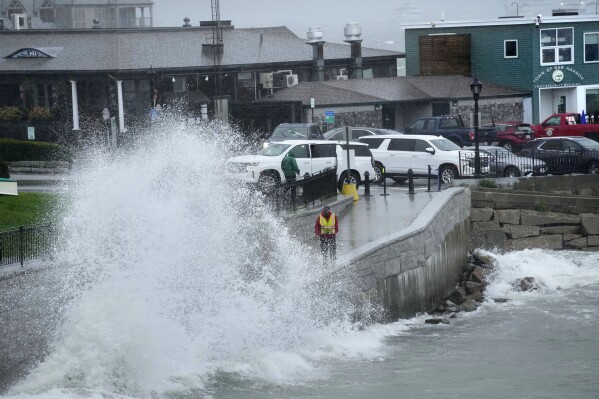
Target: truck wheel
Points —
{"points": [[448, 174], [268, 180], [511, 171], [507, 145], [593, 167], [354, 178], [378, 173]]}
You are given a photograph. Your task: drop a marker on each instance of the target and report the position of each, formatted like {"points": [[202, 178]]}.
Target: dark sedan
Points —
{"points": [[565, 154], [503, 163]]}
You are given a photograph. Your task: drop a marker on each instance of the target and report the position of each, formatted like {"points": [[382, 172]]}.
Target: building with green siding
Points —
{"points": [[554, 58]]}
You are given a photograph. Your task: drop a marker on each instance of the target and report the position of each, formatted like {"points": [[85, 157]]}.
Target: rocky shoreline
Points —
{"points": [[469, 293]]}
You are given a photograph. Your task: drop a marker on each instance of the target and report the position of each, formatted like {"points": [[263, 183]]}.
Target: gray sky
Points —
{"points": [[380, 19]]}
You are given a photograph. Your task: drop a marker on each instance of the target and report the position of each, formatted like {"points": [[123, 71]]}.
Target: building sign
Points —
{"points": [[31, 133], [329, 117], [558, 74], [28, 53]]}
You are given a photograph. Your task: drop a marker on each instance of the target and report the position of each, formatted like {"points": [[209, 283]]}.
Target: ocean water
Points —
{"points": [[178, 283]]}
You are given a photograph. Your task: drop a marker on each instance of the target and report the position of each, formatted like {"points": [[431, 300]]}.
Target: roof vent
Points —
{"points": [[96, 24], [314, 34], [186, 23], [562, 12], [352, 31]]}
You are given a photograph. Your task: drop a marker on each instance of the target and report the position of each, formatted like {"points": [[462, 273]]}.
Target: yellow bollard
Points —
{"points": [[350, 189]]}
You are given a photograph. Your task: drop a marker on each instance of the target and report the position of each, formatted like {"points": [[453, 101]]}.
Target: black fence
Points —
{"points": [[27, 243], [305, 191], [502, 163]]}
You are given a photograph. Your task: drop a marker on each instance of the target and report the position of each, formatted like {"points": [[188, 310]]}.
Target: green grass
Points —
{"points": [[488, 183], [27, 209]]}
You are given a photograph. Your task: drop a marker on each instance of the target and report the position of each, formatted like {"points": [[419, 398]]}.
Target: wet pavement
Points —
{"points": [[377, 216]]}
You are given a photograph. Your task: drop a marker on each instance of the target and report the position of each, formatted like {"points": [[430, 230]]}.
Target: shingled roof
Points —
{"points": [[386, 90], [138, 49]]}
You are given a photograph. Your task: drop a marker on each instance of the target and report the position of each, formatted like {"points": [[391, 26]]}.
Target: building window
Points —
{"points": [[510, 49], [15, 7], [557, 46], [591, 47], [79, 18], [47, 12]]}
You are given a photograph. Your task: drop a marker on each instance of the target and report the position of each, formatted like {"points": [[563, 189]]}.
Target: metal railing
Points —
{"points": [[305, 191], [27, 243]]}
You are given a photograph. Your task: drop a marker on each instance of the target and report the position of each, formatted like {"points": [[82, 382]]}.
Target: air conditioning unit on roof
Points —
{"points": [[290, 80]]}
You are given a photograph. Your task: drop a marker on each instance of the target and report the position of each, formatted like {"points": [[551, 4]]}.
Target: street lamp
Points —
{"points": [[476, 86]]}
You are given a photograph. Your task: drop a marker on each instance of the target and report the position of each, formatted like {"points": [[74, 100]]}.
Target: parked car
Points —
{"points": [[565, 154], [568, 124], [312, 156], [398, 153], [338, 133], [513, 135], [295, 131], [504, 163], [452, 128]]}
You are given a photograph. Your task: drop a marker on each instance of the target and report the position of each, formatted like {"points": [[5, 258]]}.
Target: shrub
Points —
{"points": [[12, 150], [40, 114], [4, 174], [10, 114], [488, 183], [541, 207]]}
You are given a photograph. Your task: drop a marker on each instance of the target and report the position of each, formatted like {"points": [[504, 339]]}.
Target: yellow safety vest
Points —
{"points": [[327, 226]]}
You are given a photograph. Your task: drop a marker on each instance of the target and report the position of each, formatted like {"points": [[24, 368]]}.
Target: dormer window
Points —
{"points": [[47, 11], [15, 7]]}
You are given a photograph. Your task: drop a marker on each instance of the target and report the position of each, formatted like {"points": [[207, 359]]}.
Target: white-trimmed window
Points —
{"points": [[79, 18], [510, 49], [47, 11], [557, 46], [591, 47]]}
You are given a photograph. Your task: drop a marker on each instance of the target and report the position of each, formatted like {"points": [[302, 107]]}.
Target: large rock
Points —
{"points": [[492, 225], [593, 241], [481, 214], [468, 306], [570, 237], [479, 274], [536, 218], [484, 258], [458, 296], [525, 284], [511, 216], [518, 231], [548, 242], [590, 223], [488, 239], [472, 287], [560, 230], [578, 243]]}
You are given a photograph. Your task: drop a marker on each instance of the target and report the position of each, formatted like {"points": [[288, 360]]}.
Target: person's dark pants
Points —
{"points": [[328, 247]]}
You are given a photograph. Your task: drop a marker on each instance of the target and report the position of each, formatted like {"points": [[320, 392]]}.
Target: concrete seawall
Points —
{"points": [[415, 268]]}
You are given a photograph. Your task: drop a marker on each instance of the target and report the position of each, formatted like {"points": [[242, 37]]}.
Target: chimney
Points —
{"points": [[315, 40], [353, 32], [186, 23]]}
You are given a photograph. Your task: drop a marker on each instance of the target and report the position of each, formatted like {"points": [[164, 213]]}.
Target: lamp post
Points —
{"points": [[476, 87]]}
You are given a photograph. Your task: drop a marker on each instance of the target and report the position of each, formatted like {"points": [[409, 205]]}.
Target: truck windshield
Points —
{"points": [[445, 145], [274, 150]]}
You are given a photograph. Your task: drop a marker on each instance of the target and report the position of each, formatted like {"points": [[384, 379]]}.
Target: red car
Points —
{"points": [[513, 135]]}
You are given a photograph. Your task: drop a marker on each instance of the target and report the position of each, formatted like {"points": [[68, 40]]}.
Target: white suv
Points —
{"points": [[398, 153], [312, 156]]}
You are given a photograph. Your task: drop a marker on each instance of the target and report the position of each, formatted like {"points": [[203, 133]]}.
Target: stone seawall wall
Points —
{"points": [[415, 268], [515, 220]]}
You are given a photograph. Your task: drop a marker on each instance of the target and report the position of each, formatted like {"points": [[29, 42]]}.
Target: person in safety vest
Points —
{"points": [[326, 229]]}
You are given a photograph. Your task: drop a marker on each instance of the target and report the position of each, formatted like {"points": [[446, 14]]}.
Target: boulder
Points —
{"points": [[476, 296], [553, 241], [479, 274], [590, 223], [458, 296], [593, 241], [491, 225], [578, 243], [484, 258], [500, 300], [518, 231], [536, 218], [468, 306], [481, 214], [488, 239], [511, 216], [432, 321], [560, 229], [570, 237], [525, 284], [472, 287]]}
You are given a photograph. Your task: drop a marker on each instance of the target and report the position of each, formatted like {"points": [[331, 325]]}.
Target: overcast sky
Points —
{"points": [[380, 19]]}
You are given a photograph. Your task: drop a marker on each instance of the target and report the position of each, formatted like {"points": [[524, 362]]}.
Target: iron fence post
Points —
{"points": [[384, 177], [428, 190], [367, 184], [21, 244], [410, 181]]}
